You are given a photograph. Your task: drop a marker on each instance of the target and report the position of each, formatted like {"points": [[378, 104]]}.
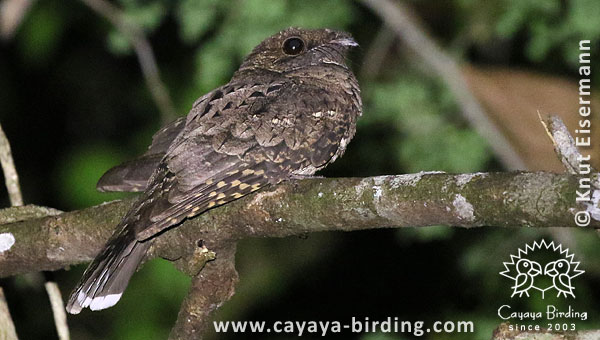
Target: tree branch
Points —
{"points": [[517, 199], [503, 332], [209, 290]]}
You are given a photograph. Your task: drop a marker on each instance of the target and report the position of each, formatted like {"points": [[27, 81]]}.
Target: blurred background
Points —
{"points": [[74, 102]]}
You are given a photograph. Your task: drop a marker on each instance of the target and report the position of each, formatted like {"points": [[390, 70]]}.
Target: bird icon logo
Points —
{"points": [[528, 275], [527, 270], [559, 271]]}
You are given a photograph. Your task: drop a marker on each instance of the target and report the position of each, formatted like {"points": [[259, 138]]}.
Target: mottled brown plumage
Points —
{"points": [[288, 111]]}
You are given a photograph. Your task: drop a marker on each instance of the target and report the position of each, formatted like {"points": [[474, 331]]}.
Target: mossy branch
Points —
{"points": [[504, 332], [515, 199]]}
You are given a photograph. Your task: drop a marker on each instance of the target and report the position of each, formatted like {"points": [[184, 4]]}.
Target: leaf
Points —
{"points": [[195, 18]]}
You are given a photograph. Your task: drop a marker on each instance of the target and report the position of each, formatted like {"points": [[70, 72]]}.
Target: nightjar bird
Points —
{"points": [[288, 111]]}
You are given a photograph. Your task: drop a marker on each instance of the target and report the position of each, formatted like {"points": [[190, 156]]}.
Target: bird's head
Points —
{"points": [[531, 268], [558, 267], [296, 48]]}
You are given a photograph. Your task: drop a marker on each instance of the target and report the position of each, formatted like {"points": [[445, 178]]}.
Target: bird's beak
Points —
{"points": [[550, 269], [536, 269], [347, 42]]}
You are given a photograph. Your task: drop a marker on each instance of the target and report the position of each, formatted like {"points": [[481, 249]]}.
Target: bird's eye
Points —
{"points": [[293, 46], [526, 264], [560, 265]]}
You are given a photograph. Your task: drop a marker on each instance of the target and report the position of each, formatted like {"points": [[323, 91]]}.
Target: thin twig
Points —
{"points": [[564, 143], [11, 177], [12, 13], [7, 327], [373, 60], [16, 198], [144, 53], [394, 14], [567, 151], [58, 309]]}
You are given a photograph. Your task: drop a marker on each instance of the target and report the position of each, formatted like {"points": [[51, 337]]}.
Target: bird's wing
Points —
{"points": [[197, 172], [520, 281], [215, 159], [237, 139], [165, 210], [565, 281], [133, 175]]}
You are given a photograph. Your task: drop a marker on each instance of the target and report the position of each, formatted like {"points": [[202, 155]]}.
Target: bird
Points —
{"points": [[288, 111], [559, 272], [526, 270]]}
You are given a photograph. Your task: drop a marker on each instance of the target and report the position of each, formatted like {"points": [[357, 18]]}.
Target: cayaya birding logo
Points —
{"points": [[547, 276]]}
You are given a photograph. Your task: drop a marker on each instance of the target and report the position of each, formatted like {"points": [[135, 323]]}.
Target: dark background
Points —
{"points": [[73, 103]]}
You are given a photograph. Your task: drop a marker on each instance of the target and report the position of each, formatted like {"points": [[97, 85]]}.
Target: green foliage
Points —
{"points": [[449, 149], [144, 314], [424, 234], [426, 139], [41, 33], [196, 17], [147, 15], [550, 26], [80, 171]]}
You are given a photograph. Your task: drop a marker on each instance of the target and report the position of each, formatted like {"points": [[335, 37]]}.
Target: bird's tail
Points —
{"points": [[107, 276]]}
